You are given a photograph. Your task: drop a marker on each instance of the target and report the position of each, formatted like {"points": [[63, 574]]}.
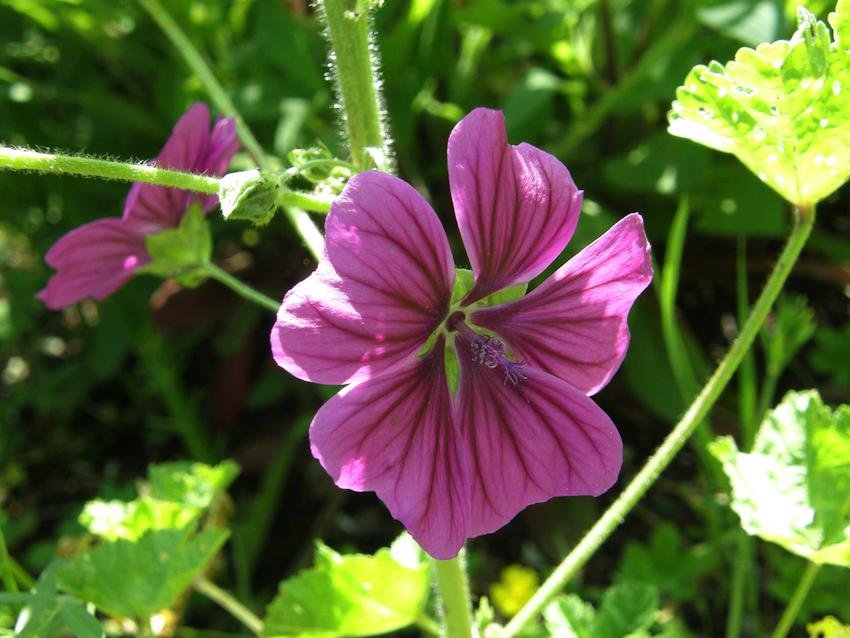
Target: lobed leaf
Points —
{"points": [[793, 489], [351, 595], [781, 108]]}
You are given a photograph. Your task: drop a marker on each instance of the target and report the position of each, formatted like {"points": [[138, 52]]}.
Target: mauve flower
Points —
{"points": [[519, 428], [97, 258]]}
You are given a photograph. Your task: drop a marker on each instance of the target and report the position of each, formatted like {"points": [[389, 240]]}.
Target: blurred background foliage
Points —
{"points": [[93, 394]]}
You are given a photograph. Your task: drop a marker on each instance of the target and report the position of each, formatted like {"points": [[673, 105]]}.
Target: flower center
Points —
{"points": [[490, 352]]}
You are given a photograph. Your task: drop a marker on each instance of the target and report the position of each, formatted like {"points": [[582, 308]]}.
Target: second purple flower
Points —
{"points": [[462, 411]]}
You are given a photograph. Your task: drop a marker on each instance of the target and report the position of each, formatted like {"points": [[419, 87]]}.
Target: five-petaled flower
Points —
{"points": [[97, 258], [377, 314]]}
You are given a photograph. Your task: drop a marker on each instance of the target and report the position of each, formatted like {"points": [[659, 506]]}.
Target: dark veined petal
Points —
{"points": [[394, 435], [93, 260], [381, 290], [530, 442], [516, 206], [189, 148], [574, 324]]}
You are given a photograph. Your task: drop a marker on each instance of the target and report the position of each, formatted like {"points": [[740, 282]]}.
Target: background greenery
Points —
{"points": [[93, 394]]}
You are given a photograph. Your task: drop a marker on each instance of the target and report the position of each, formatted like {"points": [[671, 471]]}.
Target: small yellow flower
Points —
{"points": [[828, 627], [516, 586]]}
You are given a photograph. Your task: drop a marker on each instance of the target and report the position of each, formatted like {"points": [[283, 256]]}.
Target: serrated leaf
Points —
{"points": [[627, 608], [783, 109], [348, 595], [793, 489], [190, 483], [137, 579], [178, 252], [569, 617], [112, 520]]}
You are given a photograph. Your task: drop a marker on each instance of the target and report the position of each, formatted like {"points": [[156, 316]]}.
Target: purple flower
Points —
{"points": [[97, 258], [378, 315]]}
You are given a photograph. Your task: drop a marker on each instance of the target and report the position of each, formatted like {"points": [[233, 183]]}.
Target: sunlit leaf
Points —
{"points": [[627, 609], [781, 108], [137, 579], [350, 595], [190, 483], [793, 489]]}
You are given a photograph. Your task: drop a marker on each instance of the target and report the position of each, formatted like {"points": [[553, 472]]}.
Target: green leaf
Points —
{"points": [[137, 579], [569, 617], [794, 488], [46, 613], [349, 595], [190, 483], [666, 564], [781, 108], [626, 608], [249, 195], [790, 327], [178, 252], [832, 353], [112, 520]]}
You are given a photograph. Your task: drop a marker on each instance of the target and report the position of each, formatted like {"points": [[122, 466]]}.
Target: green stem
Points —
{"points": [[308, 201], [453, 589], [240, 288], [20, 159], [354, 62], [227, 602], [767, 392], [8, 574], [740, 571], [793, 608], [588, 122], [305, 227], [429, 625], [696, 413], [195, 62]]}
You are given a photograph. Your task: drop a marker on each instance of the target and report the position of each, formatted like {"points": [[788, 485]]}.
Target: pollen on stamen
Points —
{"points": [[490, 352]]}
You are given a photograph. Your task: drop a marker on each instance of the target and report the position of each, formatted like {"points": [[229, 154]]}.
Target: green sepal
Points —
{"points": [[465, 280], [452, 365], [180, 252], [249, 195]]}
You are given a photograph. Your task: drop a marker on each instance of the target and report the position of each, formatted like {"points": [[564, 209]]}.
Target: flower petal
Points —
{"points": [[190, 148], [93, 260], [394, 435], [530, 442], [382, 289], [574, 324], [516, 206]]}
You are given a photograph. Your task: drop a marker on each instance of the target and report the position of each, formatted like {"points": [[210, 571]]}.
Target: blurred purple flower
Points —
{"points": [[520, 428], [97, 258]]}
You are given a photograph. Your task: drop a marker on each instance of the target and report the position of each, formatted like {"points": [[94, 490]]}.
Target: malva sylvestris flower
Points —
{"points": [[97, 258], [378, 315]]}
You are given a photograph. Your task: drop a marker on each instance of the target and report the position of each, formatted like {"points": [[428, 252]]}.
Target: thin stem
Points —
{"points": [[767, 392], [696, 413], [195, 62], [304, 200], [747, 389], [740, 571], [453, 589], [305, 227], [227, 602], [429, 625], [240, 288], [20, 159], [793, 608], [8, 573], [354, 63]]}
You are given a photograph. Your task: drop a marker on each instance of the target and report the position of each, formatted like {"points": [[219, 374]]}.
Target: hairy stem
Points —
{"points": [[616, 513], [240, 288], [793, 608], [308, 201], [453, 589], [200, 68], [354, 63], [227, 602], [20, 159]]}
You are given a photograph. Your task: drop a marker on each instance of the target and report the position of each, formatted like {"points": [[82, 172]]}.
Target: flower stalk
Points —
{"points": [[227, 602], [793, 608], [20, 159], [355, 66], [240, 288], [804, 217], [453, 588]]}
